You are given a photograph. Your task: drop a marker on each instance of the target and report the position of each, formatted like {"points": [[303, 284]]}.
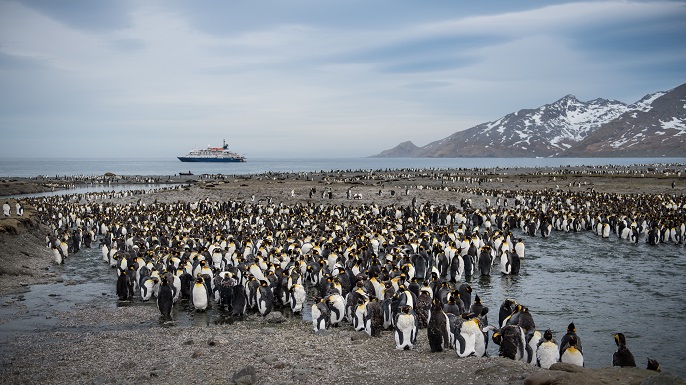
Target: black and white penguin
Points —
{"points": [[506, 309], [438, 327], [123, 287], [468, 338], [320, 315], [564, 341], [547, 352], [199, 294], [336, 305], [239, 303], [512, 342], [622, 357], [56, 255], [360, 315], [165, 298], [147, 287], [405, 331], [465, 291], [265, 298], [572, 355]]}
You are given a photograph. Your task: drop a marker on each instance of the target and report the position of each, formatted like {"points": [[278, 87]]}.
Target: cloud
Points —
{"points": [[292, 76]]}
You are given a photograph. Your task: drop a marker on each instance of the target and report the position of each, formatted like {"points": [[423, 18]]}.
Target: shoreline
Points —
{"points": [[309, 361]]}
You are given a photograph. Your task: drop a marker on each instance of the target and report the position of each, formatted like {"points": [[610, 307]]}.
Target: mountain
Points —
{"points": [[653, 126]]}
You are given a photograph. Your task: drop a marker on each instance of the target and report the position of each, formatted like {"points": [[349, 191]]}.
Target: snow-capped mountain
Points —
{"points": [[569, 127]]}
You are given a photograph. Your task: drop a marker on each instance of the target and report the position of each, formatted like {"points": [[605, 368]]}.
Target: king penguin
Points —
{"points": [[165, 298], [548, 352], [622, 357], [437, 329], [199, 294], [405, 331], [570, 354]]}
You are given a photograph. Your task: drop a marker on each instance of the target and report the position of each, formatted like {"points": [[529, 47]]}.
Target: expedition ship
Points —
{"points": [[213, 154]]}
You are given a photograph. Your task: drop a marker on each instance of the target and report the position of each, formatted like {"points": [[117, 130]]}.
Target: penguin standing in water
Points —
{"points": [[199, 294], [547, 352], [56, 255], [506, 309], [405, 332], [622, 357], [165, 298], [465, 291]]}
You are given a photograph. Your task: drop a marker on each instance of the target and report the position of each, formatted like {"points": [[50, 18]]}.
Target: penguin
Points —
{"points": [[466, 333], [437, 328], [238, 301], [123, 287], [265, 298], [56, 255], [199, 294], [571, 332], [226, 292], [405, 331], [653, 365], [519, 248], [6, 209], [336, 306], [165, 298], [547, 351], [423, 308], [298, 297], [512, 342], [506, 309], [622, 357], [572, 355], [374, 322], [147, 285], [360, 315], [320, 315], [465, 291]]}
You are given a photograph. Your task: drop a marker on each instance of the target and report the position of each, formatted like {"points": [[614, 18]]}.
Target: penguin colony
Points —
{"points": [[375, 268]]}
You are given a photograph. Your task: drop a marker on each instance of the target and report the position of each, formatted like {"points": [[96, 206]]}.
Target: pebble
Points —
{"points": [[245, 376]]}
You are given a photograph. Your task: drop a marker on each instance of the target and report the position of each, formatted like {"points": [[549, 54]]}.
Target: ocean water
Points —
{"points": [[61, 167]]}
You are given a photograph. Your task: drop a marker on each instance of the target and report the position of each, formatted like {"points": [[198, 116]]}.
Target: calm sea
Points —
{"points": [[61, 167]]}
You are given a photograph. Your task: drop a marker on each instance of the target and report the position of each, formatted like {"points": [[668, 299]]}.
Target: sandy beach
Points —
{"points": [[266, 349]]}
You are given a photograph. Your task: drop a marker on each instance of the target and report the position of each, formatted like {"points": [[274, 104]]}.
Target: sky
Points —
{"points": [[310, 79]]}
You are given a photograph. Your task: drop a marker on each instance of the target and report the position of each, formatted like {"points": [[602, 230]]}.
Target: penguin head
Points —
{"points": [[653, 365], [548, 335], [572, 341], [477, 300], [571, 327], [620, 340]]}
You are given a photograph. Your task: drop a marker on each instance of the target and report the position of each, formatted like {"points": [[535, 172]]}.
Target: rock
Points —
{"points": [[300, 374], [245, 376], [188, 342], [663, 379], [567, 367], [196, 354], [545, 377], [270, 359], [217, 341], [275, 317]]}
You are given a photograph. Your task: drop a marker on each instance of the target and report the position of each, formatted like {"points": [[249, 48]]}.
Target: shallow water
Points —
{"points": [[602, 285]]}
